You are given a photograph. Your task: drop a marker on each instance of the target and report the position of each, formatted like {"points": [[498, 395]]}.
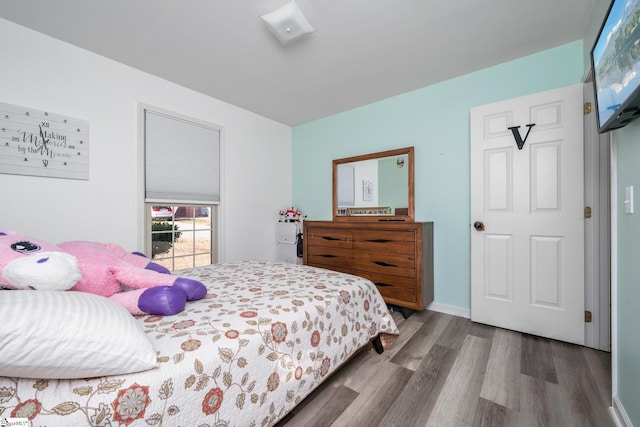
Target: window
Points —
{"points": [[182, 235], [182, 190]]}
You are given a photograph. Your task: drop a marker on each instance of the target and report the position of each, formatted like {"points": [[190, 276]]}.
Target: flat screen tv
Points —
{"points": [[615, 59]]}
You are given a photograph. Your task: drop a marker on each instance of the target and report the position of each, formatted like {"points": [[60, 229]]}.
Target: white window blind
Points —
{"points": [[182, 160]]}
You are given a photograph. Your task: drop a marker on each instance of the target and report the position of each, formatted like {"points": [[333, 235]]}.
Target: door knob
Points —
{"points": [[478, 225]]}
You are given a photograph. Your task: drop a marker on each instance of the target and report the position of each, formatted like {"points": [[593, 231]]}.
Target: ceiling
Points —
{"points": [[362, 51]]}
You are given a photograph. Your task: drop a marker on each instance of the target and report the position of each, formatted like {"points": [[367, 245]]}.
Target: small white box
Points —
{"points": [[287, 252], [287, 238], [287, 232]]}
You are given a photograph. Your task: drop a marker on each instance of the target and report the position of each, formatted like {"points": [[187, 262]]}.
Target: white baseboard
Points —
{"points": [[618, 413], [450, 309]]}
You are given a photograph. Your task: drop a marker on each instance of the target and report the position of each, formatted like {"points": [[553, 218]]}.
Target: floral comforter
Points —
{"points": [[263, 338]]}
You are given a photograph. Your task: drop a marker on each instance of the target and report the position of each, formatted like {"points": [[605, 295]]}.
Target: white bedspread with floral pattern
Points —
{"points": [[263, 338]]}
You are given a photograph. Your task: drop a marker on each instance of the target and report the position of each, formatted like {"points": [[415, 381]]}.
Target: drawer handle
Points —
{"points": [[382, 284], [327, 255], [379, 240], [384, 264], [329, 238]]}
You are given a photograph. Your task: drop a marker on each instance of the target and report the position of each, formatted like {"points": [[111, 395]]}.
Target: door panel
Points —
{"points": [[527, 262], [546, 280], [498, 269], [545, 180], [498, 170]]}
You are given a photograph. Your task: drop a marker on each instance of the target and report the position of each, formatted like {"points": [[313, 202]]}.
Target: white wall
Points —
{"points": [[49, 75], [366, 170]]}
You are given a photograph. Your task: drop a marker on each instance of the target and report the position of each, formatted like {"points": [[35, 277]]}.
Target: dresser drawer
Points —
{"points": [[328, 237], [395, 264], [329, 257], [400, 242], [403, 296], [400, 288]]}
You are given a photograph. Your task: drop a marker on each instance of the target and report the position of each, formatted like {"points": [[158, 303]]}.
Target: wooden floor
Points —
{"points": [[448, 371]]}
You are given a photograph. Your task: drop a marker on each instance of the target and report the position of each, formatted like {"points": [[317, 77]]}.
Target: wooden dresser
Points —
{"points": [[396, 256]]}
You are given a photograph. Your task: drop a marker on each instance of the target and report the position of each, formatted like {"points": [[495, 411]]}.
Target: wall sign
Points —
{"points": [[367, 190], [40, 143]]}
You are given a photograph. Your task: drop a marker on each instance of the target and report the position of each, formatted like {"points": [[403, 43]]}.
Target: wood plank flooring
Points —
{"points": [[448, 371]]}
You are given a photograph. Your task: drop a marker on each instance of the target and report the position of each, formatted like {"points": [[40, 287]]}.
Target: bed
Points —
{"points": [[263, 338]]}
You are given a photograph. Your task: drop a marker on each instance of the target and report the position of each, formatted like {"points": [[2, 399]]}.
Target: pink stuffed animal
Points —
{"points": [[141, 286], [27, 263], [107, 268]]}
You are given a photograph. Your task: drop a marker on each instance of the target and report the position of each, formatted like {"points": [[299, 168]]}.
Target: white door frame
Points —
{"points": [[597, 230]]}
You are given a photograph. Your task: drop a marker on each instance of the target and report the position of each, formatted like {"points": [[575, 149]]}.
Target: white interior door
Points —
{"points": [[527, 252]]}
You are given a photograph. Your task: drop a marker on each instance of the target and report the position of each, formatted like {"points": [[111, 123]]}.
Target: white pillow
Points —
{"points": [[58, 334]]}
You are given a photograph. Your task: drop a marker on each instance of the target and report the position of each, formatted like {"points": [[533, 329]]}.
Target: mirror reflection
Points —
{"points": [[376, 184]]}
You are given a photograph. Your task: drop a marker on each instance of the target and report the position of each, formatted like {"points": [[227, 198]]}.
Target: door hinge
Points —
{"points": [[587, 212], [587, 316], [587, 108]]}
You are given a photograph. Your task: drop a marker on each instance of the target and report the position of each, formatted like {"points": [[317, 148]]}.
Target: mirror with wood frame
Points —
{"points": [[374, 187]]}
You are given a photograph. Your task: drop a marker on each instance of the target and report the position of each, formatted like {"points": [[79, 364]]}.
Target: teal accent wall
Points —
{"points": [[627, 142], [434, 120]]}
